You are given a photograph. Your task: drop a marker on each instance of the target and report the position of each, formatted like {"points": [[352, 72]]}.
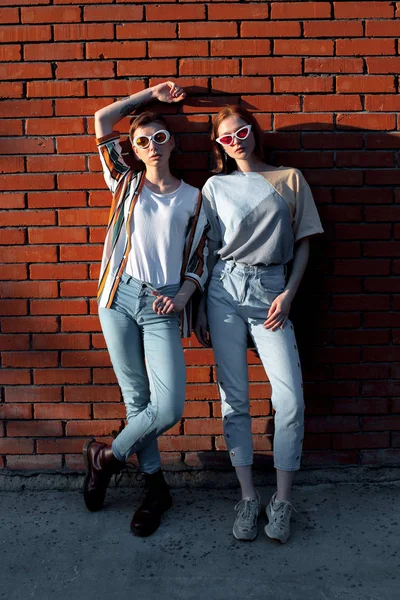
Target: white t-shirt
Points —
{"points": [[159, 225]]}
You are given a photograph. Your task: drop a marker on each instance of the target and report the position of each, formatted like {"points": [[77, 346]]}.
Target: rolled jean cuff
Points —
{"points": [[291, 469]]}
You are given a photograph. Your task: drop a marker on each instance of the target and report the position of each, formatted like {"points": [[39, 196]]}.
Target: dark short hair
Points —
{"points": [[145, 118], [226, 164]]}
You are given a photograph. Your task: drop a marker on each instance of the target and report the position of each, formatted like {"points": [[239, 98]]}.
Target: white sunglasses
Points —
{"points": [[240, 134], [159, 137]]}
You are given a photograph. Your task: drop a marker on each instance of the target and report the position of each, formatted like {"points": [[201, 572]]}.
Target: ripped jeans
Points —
{"points": [[147, 356]]}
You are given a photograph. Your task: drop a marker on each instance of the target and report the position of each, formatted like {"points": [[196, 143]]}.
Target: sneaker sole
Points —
{"points": [[244, 539]]}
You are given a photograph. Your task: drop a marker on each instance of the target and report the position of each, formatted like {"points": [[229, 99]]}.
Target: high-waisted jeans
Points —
{"points": [[147, 355], [239, 297]]}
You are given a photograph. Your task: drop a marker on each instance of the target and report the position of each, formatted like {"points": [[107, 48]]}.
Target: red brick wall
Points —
{"points": [[322, 79]]}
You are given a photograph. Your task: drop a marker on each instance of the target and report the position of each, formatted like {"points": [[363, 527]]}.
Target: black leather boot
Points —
{"points": [[157, 499], [101, 464]]}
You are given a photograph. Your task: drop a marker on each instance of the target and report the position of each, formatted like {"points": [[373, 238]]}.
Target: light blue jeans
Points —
{"points": [[147, 355], [239, 297]]}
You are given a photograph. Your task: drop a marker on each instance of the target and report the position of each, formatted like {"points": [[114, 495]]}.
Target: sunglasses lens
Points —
{"points": [[243, 133], [161, 137], [226, 140], [142, 141]]}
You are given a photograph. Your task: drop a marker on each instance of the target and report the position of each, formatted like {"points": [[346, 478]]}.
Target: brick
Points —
{"points": [[177, 48], [59, 271], [103, 393], [29, 359], [365, 84], [303, 84], [28, 182], [368, 47], [333, 29], [333, 65], [14, 342], [61, 341], [367, 121], [378, 140], [56, 164], [82, 323], [13, 200], [13, 307], [240, 48], [15, 377], [362, 267], [361, 302], [300, 10], [10, 446], [186, 12], [185, 443], [12, 236], [355, 10], [384, 423], [146, 31], [58, 307], [241, 12], [57, 199], [244, 85], [360, 440], [203, 427], [15, 411], [21, 33], [84, 70], [33, 394], [94, 428], [10, 127], [79, 181], [83, 31], [334, 103], [51, 89], [10, 52], [147, 67], [271, 66], [52, 51], [34, 463], [27, 146], [9, 15], [375, 177], [118, 13], [382, 103], [207, 30], [86, 359], [27, 217], [382, 28], [28, 254], [29, 324], [60, 235], [81, 288], [109, 411], [383, 65], [12, 90], [269, 29], [332, 424], [304, 122], [306, 47], [104, 50], [209, 67], [62, 411], [364, 159], [378, 249], [61, 376], [35, 429], [50, 14]]}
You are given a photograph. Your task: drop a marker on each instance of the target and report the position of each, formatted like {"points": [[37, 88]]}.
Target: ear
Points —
{"points": [[135, 150], [172, 142]]}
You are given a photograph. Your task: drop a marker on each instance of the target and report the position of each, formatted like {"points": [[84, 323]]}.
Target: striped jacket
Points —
{"points": [[125, 185]]}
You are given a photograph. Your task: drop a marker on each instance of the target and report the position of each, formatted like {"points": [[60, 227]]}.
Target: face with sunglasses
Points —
{"points": [[236, 138], [152, 144]]}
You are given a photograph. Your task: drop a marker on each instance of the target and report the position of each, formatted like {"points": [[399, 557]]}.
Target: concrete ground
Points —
{"points": [[344, 546]]}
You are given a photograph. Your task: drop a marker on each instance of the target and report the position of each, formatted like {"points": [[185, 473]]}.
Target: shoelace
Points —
{"points": [[246, 511], [282, 516], [130, 470]]}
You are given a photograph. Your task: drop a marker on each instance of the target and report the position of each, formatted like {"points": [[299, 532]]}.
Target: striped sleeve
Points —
{"points": [[114, 166], [196, 269]]}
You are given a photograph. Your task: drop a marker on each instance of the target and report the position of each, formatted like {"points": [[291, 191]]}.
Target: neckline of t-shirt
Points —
{"points": [[164, 195], [250, 173]]}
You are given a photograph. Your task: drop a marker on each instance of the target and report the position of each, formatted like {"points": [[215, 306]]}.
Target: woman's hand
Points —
{"points": [[163, 305], [278, 314], [168, 92], [201, 329]]}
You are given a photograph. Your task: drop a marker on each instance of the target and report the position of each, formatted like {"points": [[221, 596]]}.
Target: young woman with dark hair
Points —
{"points": [[260, 220], [153, 260]]}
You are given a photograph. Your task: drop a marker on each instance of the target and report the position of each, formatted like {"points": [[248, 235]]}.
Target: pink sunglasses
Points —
{"points": [[240, 134]]}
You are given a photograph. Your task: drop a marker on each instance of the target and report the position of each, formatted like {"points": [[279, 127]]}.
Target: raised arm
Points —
{"points": [[107, 117]]}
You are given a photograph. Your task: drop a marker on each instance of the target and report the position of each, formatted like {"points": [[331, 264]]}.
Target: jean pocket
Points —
{"points": [[271, 284]]}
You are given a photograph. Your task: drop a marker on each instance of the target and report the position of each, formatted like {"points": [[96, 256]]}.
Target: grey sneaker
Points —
{"points": [[278, 513], [245, 525]]}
